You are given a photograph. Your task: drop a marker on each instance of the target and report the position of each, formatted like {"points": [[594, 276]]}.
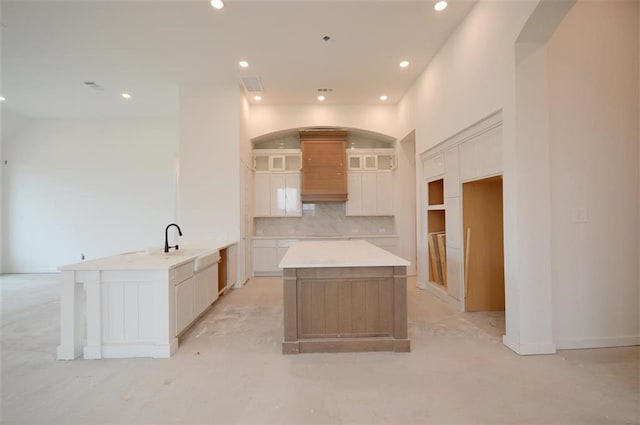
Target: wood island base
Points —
{"points": [[345, 309]]}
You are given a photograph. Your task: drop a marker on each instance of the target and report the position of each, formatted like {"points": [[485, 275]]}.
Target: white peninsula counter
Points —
{"points": [[344, 296], [135, 304]]}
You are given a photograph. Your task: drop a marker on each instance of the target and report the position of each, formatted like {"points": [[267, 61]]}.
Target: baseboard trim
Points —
{"points": [[528, 349], [607, 342], [442, 294]]}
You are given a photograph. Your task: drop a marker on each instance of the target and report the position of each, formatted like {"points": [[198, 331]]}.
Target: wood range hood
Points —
{"points": [[324, 165]]}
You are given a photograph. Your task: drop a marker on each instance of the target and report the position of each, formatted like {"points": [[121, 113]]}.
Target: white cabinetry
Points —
{"points": [[264, 257], [354, 187], [194, 293], [432, 166], [370, 193], [267, 254], [276, 183], [184, 297], [261, 195], [388, 244], [384, 194], [481, 156], [370, 159], [277, 160], [207, 280], [473, 154], [362, 162], [277, 195]]}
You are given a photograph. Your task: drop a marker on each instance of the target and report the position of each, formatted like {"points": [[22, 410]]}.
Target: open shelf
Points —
{"points": [[436, 233], [436, 192]]}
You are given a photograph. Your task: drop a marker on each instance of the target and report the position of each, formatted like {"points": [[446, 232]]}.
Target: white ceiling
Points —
{"points": [[150, 48]]}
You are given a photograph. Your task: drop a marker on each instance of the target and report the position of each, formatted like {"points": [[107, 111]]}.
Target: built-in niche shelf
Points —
{"points": [[436, 233]]}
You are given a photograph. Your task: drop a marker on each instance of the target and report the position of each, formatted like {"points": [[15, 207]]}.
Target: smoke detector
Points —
{"points": [[93, 85]]}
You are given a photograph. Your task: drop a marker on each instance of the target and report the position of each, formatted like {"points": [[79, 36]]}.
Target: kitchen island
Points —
{"points": [[135, 304], [343, 296]]}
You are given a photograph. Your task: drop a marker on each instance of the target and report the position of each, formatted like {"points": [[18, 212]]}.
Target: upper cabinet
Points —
{"points": [[323, 165], [370, 182], [276, 160], [324, 177], [370, 159], [370, 193], [276, 183]]}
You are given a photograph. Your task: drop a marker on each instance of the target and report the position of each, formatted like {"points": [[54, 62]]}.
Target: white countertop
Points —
{"points": [[149, 259], [325, 237], [353, 253]]}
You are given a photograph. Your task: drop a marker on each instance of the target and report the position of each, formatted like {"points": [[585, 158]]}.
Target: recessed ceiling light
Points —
{"points": [[384, 97], [404, 64], [243, 64], [217, 4], [257, 98], [126, 95], [321, 98], [2, 99], [441, 5]]}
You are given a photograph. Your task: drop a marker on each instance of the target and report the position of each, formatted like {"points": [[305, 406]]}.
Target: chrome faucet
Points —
{"points": [[166, 237]]}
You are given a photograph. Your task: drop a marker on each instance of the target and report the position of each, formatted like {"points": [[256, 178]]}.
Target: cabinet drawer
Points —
{"points": [[183, 272], [264, 243], [285, 243]]}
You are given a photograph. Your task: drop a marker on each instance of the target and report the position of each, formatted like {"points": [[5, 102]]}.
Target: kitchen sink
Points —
{"points": [[204, 257]]}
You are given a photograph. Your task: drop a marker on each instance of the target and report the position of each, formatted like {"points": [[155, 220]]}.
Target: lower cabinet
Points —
{"points": [[185, 309], [206, 288], [388, 244], [194, 295], [266, 255]]}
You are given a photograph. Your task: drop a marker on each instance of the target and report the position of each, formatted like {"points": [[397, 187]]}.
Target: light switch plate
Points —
{"points": [[580, 215]]}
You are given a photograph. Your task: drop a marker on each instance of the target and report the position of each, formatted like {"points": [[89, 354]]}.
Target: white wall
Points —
{"points": [[472, 77], [98, 187], [405, 201], [266, 119], [593, 86], [209, 188], [246, 195], [530, 170], [484, 67]]}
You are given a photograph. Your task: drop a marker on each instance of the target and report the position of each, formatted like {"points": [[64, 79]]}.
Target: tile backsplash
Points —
{"points": [[325, 219]]}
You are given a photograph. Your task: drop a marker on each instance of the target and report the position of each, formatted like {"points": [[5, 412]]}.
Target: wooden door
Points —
{"points": [[483, 243]]}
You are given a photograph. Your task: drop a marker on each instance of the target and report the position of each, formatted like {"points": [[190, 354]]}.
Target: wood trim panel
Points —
{"points": [[324, 166], [289, 299], [345, 309], [323, 135]]}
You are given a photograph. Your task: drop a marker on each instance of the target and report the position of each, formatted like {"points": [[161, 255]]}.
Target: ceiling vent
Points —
{"points": [[252, 84], [324, 90], [93, 85]]}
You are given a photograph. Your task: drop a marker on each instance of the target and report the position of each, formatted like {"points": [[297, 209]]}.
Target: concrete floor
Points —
{"points": [[229, 370]]}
